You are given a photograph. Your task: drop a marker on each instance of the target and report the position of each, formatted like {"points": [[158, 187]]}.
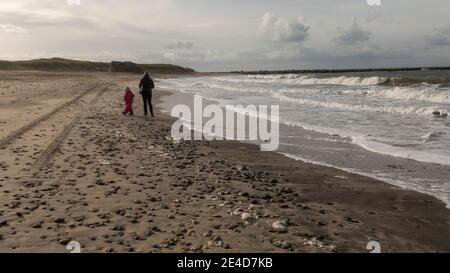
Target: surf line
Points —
{"points": [[235, 122]]}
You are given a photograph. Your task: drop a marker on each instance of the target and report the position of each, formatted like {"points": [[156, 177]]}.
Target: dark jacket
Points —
{"points": [[146, 85]]}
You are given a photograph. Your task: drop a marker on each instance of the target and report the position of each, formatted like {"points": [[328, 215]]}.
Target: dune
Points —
{"points": [[67, 65]]}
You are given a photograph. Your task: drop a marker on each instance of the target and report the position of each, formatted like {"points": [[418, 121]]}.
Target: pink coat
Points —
{"points": [[128, 98]]}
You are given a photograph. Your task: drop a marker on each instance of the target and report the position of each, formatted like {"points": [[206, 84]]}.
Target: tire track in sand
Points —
{"points": [[14, 135], [55, 145]]}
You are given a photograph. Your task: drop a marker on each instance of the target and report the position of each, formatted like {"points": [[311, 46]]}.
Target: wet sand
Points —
{"points": [[337, 152], [74, 169]]}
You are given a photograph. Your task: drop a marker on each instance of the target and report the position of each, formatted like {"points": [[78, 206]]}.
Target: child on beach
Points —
{"points": [[128, 98]]}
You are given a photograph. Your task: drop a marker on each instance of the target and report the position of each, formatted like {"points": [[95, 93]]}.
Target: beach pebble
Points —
{"points": [[242, 168], [59, 220], [118, 227], [191, 232], [149, 233], [282, 244], [248, 218], [108, 250], [215, 244], [238, 212], [36, 225], [64, 241], [280, 225]]}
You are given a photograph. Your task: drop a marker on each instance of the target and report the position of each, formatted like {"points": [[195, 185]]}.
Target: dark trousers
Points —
{"points": [[147, 98]]}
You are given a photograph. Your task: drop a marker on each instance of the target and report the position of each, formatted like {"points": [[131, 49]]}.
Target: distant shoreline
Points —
{"points": [[309, 71], [57, 64], [67, 65]]}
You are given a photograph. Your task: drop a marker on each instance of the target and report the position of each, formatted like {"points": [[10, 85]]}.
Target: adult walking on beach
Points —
{"points": [[146, 86]]}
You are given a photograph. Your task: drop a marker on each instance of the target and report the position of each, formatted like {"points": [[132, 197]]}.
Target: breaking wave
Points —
{"points": [[429, 93], [398, 110], [294, 79], [302, 79]]}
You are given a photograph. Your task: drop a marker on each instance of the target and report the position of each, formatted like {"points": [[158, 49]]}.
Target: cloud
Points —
{"points": [[183, 51], [352, 35], [374, 14], [10, 28], [441, 37], [189, 52], [35, 12], [440, 41], [180, 45], [278, 29], [220, 31]]}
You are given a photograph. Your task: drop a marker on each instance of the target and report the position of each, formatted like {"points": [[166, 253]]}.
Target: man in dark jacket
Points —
{"points": [[146, 86]]}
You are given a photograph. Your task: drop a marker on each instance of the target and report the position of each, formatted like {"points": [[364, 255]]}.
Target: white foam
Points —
{"points": [[310, 80], [428, 93], [382, 148], [402, 110], [378, 115], [438, 193]]}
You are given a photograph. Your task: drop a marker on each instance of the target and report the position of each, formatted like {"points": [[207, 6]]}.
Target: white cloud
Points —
{"points": [[36, 12], [73, 2], [10, 28], [278, 29]]}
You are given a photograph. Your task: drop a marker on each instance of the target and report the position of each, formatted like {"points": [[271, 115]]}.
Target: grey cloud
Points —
{"points": [[302, 57], [112, 29], [374, 14], [354, 34], [188, 52], [181, 45], [278, 29], [441, 37], [440, 41]]}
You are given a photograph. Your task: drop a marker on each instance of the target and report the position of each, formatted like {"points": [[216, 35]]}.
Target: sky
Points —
{"points": [[213, 35]]}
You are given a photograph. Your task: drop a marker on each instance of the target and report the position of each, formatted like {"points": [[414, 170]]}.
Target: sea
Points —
{"points": [[393, 126]]}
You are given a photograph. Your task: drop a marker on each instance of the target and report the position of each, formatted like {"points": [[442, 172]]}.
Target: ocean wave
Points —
{"points": [[402, 152], [429, 94], [397, 81], [240, 89], [302, 79], [390, 178], [293, 79], [433, 136], [425, 111]]}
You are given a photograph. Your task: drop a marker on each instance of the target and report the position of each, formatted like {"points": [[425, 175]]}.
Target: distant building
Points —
{"points": [[126, 67]]}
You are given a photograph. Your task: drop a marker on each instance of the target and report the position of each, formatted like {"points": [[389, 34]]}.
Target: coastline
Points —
{"points": [[121, 184], [367, 198], [341, 149]]}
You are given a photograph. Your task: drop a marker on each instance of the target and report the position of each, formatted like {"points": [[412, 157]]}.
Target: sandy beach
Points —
{"points": [[73, 168]]}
